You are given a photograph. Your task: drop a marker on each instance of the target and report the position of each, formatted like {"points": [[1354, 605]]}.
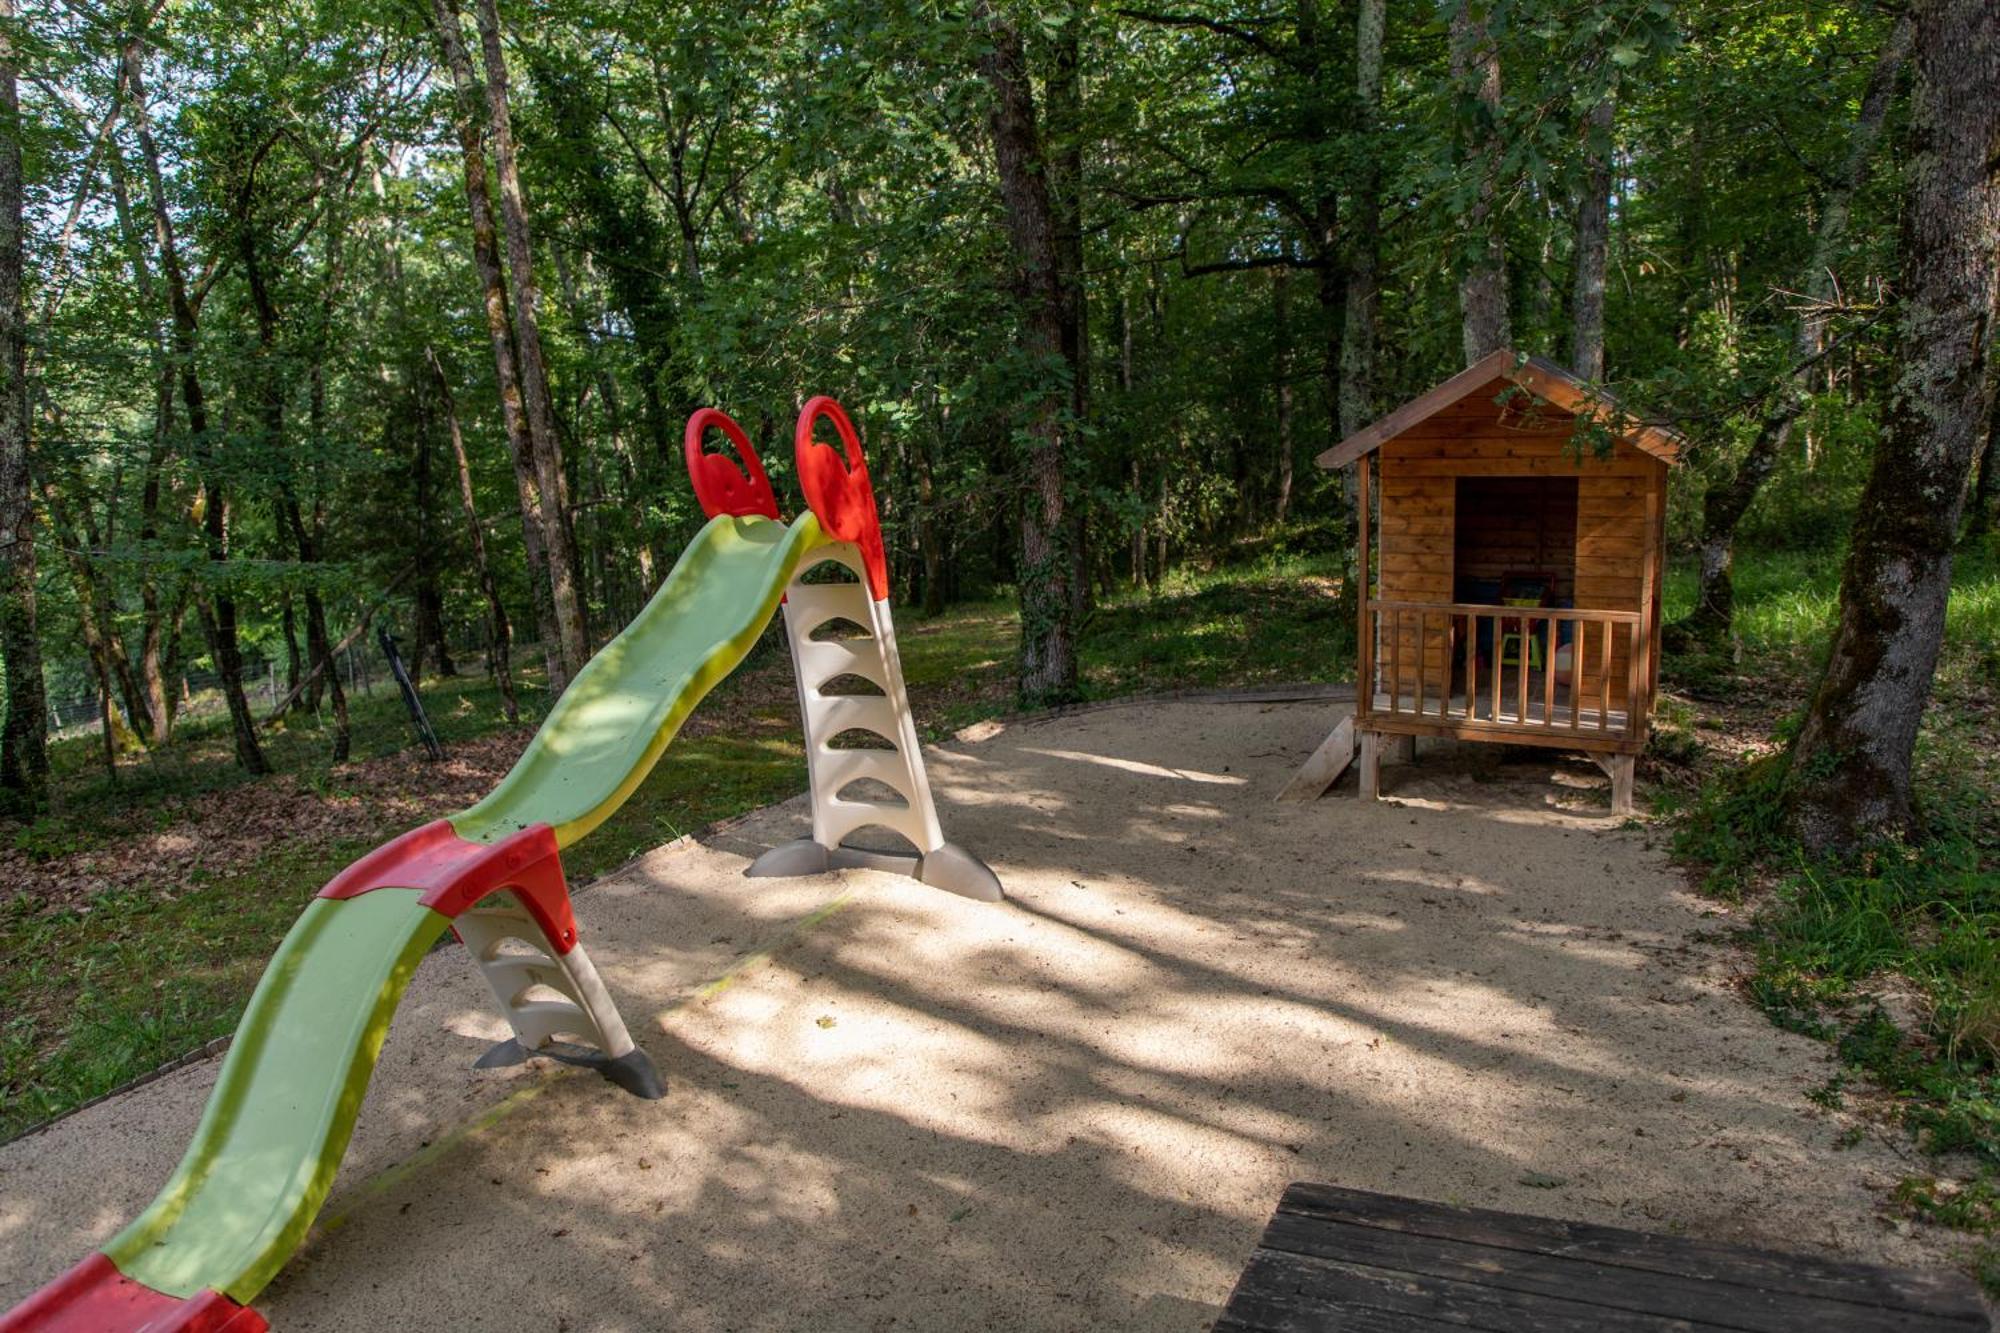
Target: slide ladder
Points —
{"points": [[291, 1086]]}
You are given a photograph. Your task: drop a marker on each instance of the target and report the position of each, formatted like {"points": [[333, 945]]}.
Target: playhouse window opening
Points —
{"points": [[1515, 537]]}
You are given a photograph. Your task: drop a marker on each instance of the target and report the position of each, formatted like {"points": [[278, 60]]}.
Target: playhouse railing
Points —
{"points": [[1559, 671]]}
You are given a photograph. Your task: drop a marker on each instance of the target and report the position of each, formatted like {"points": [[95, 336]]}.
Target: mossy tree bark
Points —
{"points": [[1593, 244], [1849, 774], [1482, 282]]}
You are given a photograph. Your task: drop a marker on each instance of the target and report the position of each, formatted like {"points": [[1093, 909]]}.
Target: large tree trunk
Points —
{"points": [[24, 752], [499, 329], [1593, 245], [548, 453], [1364, 258], [1482, 283], [1048, 564], [1849, 774], [1725, 504], [218, 609]]}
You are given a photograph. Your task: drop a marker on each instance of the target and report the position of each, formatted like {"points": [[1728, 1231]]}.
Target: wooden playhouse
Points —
{"points": [[1511, 583]]}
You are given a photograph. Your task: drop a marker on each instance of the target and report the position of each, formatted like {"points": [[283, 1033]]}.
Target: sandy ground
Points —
{"points": [[890, 1107]]}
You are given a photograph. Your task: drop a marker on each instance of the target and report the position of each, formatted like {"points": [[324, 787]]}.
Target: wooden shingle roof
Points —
{"points": [[1544, 379]]}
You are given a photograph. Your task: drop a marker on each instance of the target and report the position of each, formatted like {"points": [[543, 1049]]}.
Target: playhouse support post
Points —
{"points": [[1620, 769], [1371, 765]]}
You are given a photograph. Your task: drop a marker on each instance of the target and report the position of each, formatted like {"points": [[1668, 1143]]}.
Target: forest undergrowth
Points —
{"points": [[1891, 956]]}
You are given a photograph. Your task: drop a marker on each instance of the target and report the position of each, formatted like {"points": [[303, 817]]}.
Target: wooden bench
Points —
{"points": [[1339, 1259]]}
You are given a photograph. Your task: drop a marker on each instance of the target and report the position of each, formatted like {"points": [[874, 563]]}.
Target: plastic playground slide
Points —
{"points": [[284, 1105]]}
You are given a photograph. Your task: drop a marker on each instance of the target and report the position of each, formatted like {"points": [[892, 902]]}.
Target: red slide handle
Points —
{"points": [[838, 490], [721, 486]]}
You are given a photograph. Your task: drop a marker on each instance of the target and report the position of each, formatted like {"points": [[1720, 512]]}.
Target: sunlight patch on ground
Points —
{"points": [[1139, 767]]}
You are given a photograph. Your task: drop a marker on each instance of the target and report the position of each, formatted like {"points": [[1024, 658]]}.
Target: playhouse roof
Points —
{"points": [[1544, 379]]}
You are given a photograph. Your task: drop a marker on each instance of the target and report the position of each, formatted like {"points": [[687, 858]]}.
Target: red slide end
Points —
{"points": [[453, 873], [94, 1297], [721, 486], [838, 490]]}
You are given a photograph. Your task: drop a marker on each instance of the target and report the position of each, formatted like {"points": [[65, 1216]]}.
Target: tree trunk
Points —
{"points": [[499, 329], [1593, 246], [498, 635], [158, 711], [1725, 504], [1066, 130], [548, 453], [24, 752], [1048, 564], [294, 660], [218, 610], [1281, 333], [1849, 774], [1985, 501], [930, 548], [1357, 341], [319, 649], [1482, 283]]}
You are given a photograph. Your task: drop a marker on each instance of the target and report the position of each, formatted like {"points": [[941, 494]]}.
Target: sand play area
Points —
{"points": [[893, 1108]]}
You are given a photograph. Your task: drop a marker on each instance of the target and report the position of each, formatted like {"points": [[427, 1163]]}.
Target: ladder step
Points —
{"points": [[817, 603], [820, 662], [844, 712], [513, 976], [839, 767], [539, 1022], [847, 817]]}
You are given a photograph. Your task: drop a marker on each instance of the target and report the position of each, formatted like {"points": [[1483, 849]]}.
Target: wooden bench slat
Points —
{"points": [[1940, 1296], [1431, 1261], [1304, 1294]]}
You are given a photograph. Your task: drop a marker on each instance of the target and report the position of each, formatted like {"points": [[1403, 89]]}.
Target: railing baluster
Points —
{"points": [[1495, 668], [1549, 676], [1631, 674], [1523, 654], [1604, 683], [1471, 667], [1423, 656], [1396, 660]]}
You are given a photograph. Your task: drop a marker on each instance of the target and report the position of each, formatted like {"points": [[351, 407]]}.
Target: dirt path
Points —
{"points": [[1071, 1111]]}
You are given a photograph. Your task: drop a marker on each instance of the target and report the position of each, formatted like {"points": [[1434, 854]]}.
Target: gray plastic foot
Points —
{"points": [[633, 1071], [956, 870], [801, 856], [950, 867]]}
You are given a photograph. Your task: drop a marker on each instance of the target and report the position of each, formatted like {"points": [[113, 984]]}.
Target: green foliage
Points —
{"points": [[1893, 956]]}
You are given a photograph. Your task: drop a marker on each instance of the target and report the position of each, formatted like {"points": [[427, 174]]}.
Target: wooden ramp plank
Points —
{"points": [[1325, 765]]}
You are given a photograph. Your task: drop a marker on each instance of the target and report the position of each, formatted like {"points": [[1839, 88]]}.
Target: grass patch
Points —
{"points": [[1893, 956], [115, 983]]}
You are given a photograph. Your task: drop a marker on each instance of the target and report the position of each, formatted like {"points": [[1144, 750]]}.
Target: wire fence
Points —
{"points": [[266, 682]]}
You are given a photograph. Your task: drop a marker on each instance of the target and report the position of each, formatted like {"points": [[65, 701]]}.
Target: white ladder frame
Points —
{"points": [[816, 663]]}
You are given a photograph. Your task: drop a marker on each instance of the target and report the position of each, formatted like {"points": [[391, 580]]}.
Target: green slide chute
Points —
{"points": [[278, 1121], [619, 714], [284, 1105]]}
